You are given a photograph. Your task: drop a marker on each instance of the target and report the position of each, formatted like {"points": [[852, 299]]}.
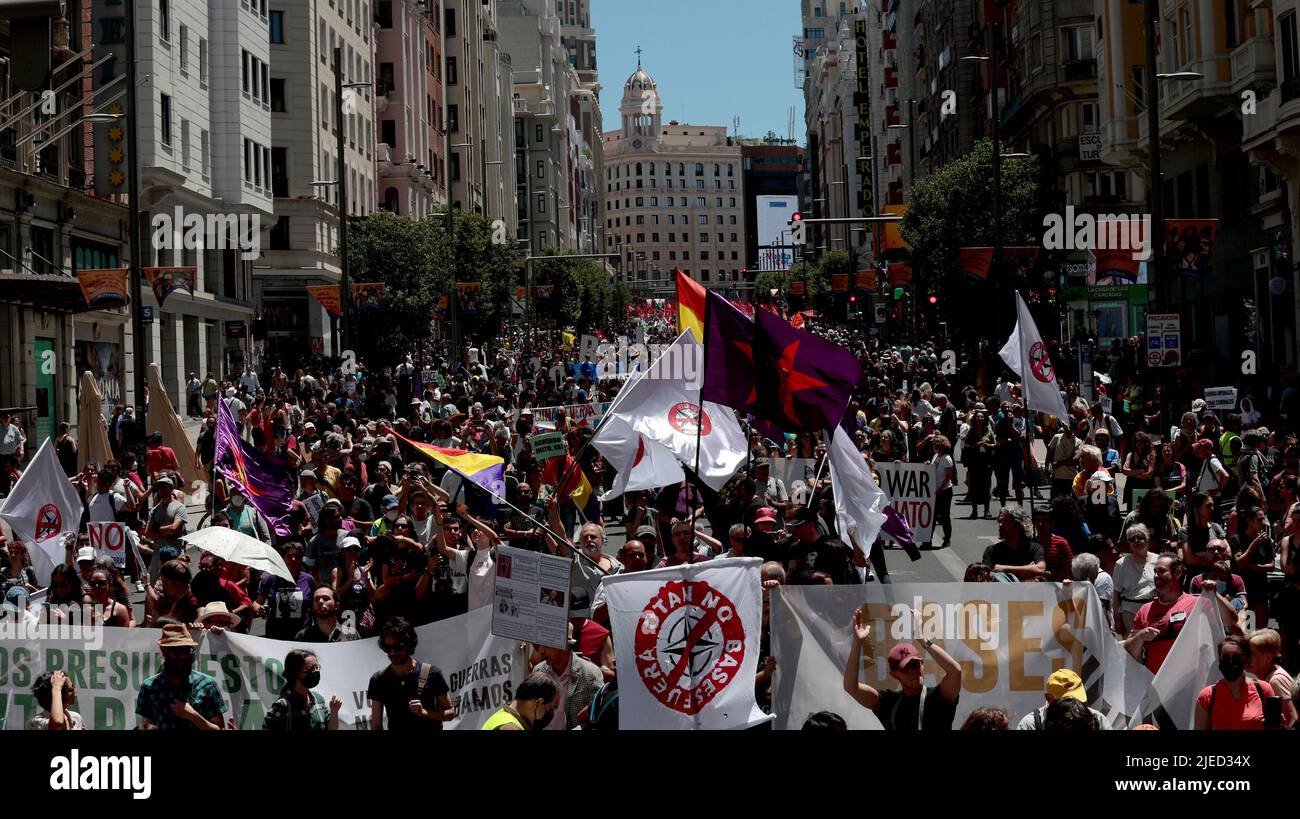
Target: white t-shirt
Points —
{"points": [[103, 507], [941, 464], [481, 575]]}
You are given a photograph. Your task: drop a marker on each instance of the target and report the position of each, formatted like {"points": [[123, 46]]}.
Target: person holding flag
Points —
{"points": [[1027, 356]]}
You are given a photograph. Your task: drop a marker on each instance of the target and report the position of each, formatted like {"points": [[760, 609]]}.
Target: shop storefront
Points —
{"points": [[1107, 311]]}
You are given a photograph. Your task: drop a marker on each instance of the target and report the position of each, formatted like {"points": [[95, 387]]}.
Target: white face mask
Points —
{"points": [[391, 516], [237, 502]]}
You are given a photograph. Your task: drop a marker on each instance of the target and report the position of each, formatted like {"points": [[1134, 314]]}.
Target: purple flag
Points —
{"points": [[897, 527], [802, 381], [264, 483], [729, 368]]}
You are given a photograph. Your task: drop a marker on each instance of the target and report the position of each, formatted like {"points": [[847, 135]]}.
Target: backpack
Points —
{"points": [[603, 712]]}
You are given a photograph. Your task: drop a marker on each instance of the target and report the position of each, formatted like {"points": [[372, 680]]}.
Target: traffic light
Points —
{"points": [[933, 299], [898, 294]]}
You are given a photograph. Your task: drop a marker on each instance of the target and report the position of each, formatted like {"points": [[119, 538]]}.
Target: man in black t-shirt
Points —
{"points": [[814, 558], [413, 694], [1017, 553], [914, 706]]}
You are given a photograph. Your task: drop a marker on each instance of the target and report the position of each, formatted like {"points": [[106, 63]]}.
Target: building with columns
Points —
{"points": [[674, 194]]}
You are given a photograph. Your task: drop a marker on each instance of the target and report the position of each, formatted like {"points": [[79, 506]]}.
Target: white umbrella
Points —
{"points": [[238, 547]]}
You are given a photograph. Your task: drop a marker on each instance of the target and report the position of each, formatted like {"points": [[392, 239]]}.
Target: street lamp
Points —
{"points": [[341, 183], [1181, 75]]}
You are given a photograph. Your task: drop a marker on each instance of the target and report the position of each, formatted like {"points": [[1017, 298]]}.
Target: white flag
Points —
{"points": [[1027, 356], [664, 408], [41, 509], [641, 463], [1191, 664], [686, 639], [858, 500]]}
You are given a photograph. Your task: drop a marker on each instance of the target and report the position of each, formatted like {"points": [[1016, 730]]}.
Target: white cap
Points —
{"points": [[85, 553]]}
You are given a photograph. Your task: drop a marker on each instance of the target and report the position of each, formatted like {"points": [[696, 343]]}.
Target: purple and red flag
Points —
{"points": [[788, 377], [264, 482]]}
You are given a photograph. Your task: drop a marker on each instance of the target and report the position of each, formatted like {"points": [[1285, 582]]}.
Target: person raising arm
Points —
{"points": [[914, 707]]}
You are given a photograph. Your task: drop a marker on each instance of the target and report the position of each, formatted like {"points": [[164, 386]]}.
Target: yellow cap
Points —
{"points": [[1065, 683]]}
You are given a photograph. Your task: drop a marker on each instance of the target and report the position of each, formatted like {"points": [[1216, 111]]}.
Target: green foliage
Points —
{"points": [[385, 247], [952, 208], [582, 298], [767, 281]]}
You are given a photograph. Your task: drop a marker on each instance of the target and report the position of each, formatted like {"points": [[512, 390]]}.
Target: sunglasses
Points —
{"points": [[392, 648], [99, 584]]}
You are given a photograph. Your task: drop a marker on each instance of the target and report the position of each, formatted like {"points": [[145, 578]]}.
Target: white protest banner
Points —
{"points": [[109, 539], [1008, 638], [1221, 398], [108, 666], [580, 414], [686, 639], [910, 488], [548, 445], [314, 503], [531, 597]]}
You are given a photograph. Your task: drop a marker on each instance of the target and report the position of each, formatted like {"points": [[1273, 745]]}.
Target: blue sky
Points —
{"points": [[713, 59]]}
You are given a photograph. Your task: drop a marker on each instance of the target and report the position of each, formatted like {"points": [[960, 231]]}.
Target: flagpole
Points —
{"points": [[699, 417]]}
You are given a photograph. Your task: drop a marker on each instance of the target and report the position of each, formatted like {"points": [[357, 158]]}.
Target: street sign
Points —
{"points": [[146, 314], [1085, 371], [1164, 340], [881, 313]]}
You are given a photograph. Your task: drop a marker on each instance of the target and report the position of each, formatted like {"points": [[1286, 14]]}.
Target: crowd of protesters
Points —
{"points": [[383, 540]]}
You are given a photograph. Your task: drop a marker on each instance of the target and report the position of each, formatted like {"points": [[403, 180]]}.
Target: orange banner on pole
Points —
{"points": [[865, 279], [364, 296], [840, 282], [103, 288], [327, 295], [975, 261], [900, 275], [893, 236]]}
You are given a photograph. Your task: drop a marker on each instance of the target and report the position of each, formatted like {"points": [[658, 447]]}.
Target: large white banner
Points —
{"points": [[107, 666], [686, 639], [1008, 638]]}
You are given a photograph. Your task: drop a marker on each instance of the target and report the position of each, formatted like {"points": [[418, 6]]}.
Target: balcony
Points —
{"points": [[893, 156], [888, 42], [891, 115], [1263, 122], [1254, 65], [1208, 96], [891, 78], [1080, 70]]}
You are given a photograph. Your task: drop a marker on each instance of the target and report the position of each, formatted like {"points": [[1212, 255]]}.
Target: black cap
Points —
{"points": [[802, 515]]}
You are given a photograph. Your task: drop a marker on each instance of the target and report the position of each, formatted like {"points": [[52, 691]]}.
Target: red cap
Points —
{"points": [[766, 515], [902, 654]]}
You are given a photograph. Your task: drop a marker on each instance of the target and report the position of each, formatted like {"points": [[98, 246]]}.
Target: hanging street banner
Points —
{"points": [[167, 280], [1189, 245], [329, 296], [103, 288]]}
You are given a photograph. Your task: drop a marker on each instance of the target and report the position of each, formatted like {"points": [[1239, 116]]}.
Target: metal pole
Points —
{"points": [[341, 179], [1154, 203], [994, 65], [133, 194], [451, 198]]}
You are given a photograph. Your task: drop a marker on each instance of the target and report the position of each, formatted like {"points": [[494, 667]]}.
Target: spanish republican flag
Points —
{"points": [[690, 305], [486, 471]]}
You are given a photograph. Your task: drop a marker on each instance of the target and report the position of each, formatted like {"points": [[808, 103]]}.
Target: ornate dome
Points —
{"points": [[638, 82]]}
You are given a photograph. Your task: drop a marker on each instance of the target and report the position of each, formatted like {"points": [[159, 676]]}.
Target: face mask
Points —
{"points": [[311, 679], [237, 502], [178, 668], [390, 516], [544, 720], [1231, 669]]}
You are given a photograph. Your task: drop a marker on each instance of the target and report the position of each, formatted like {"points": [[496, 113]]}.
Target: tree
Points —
{"points": [[385, 247], [951, 209], [582, 296], [479, 259]]}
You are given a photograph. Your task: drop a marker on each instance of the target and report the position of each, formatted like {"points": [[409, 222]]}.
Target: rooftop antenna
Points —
{"points": [[735, 125], [791, 126]]}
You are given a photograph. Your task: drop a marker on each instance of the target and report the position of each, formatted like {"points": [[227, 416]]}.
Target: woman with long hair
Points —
{"points": [[1170, 475], [1252, 553], [1199, 529], [977, 457], [103, 608], [17, 570], [944, 473]]}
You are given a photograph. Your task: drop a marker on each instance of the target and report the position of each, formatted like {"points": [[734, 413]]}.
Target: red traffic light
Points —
{"points": [[853, 299], [934, 299], [796, 217]]}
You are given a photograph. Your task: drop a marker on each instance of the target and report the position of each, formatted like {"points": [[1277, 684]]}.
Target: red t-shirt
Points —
{"points": [[1228, 714], [160, 458], [591, 639], [1169, 619]]}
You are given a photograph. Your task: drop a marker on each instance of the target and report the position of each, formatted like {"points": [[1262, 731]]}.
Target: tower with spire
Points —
{"points": [[641, 108]]}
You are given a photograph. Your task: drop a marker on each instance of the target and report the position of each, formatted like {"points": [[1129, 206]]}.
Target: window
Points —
{"points": [[388, 132], [203, 153], [1230, 17], [732, 204], [185, 145], [451, 71], [384, 13], [320, 42], [539, 135], [453, 118], [1078, 43], [455, 167], [280, 234], [277, 96], [699, 169], [246, 68], [166, 111], [248, 161], [203, 63], [451, 22], [699, 184], [1290, 52], [1088, 122], [733, 237], [704, 238], [164, 21], [185, 49], [277, 27], [280, 172], [541, 203], [640, 201], [1139, 89], [700, 202], [541, 169], [1185, 43], [704, 255]]}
